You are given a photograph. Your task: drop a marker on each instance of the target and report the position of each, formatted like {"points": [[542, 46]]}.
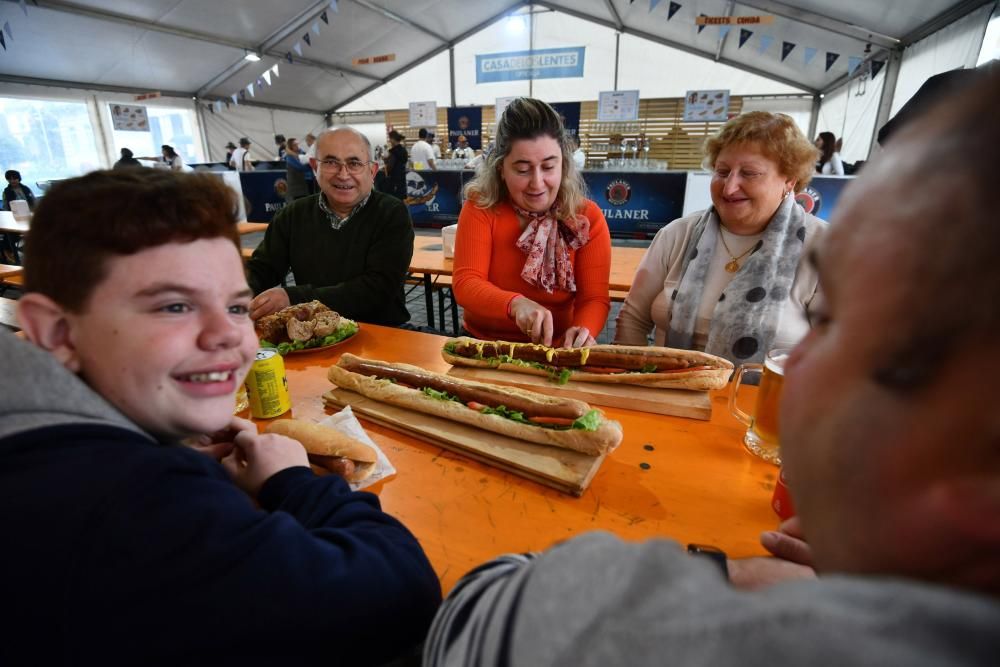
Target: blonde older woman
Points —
{"points": [[734, 280], [532, 253]]}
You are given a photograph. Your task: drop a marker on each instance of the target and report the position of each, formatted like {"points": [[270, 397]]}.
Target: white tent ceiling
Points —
{"points": [[196, 47]]}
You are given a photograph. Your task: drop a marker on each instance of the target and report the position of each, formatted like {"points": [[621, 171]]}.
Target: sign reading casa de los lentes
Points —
{"points": [[561, 63]]}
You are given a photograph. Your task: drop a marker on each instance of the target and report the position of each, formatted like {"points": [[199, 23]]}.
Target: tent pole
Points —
{"points": [[199, 112], [531, 48], [814, 115], [618, 42], [891, 74], [451, 64]]}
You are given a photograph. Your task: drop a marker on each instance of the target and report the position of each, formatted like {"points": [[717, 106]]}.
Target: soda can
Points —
{"points": [[267, 385], [781, 501]]}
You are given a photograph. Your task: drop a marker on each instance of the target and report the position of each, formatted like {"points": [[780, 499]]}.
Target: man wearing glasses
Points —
{"points": [[348, 246]]}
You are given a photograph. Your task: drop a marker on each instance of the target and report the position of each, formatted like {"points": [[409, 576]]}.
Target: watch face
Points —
{"points": [[717, 555]]}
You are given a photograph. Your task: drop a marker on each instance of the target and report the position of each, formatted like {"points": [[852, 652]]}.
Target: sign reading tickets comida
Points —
{"points": [[562, 63]]}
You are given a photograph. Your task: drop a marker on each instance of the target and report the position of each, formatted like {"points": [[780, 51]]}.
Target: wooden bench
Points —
{"points": [[618, 295], [8, 313], [441, 284]]}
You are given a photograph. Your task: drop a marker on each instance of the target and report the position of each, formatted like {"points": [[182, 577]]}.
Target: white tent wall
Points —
{"points": [[800, 109], [850, 112], [656, 70], [425, 82], [259, 124], [553, 30], [653, 69], [97, 102], [953, 47]]}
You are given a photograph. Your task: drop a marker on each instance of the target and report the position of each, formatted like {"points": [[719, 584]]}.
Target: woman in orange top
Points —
{"points": [[532, 253]]}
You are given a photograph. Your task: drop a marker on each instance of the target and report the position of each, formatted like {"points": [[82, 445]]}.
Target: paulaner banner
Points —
{"points": [[467, 122], [570, 114], [561, 63]]}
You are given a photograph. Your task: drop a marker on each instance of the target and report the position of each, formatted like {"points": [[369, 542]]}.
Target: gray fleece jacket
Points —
{"points": [[596, 600]]}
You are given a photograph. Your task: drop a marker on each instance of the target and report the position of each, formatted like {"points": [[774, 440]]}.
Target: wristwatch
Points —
{"points": [[715, 554]]}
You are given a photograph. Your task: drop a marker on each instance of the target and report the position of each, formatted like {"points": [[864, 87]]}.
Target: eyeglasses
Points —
{"points": [[354, 167]]}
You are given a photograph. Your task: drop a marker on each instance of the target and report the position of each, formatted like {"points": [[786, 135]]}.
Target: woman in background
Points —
{"points": [[829, 163]]}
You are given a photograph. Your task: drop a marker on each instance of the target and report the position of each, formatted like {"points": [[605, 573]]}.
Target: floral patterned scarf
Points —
{"points": [[547, 241]]}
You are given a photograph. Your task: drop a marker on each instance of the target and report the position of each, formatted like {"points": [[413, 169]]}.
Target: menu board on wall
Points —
{"points": [[129, 117], [423, 114], [706, 105], [618, 106], [502, 103]]}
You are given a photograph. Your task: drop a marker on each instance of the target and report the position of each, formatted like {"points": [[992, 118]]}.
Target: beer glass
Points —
{"points": [[761, 437]]}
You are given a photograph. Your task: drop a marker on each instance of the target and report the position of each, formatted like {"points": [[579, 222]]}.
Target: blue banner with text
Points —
{"points": [[562, 63]]}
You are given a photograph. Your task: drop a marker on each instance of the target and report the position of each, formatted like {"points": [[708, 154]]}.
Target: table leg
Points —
{"points": [[429, 299]]}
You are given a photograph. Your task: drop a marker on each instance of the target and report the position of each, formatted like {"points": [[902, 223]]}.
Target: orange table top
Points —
{"points": [[428, 257], [10, 270], [700, 485], [251, 227]]}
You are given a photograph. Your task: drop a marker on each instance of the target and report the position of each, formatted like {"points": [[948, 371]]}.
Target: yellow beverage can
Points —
{"points": [[267, 385]]}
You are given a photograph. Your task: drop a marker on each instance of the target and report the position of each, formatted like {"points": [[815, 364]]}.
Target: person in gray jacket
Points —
{"points": [[891, 443]]}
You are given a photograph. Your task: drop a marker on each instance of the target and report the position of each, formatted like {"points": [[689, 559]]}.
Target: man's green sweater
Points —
{"points": [[357, 270]]}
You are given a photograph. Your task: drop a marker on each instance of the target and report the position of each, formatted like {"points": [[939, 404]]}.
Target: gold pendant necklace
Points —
{"points": [[733, 265]]}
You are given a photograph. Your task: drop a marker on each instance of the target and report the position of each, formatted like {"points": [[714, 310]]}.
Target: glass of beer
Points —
{"points": [[761, 437]]}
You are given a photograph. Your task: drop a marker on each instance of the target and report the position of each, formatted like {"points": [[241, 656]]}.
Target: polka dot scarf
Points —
{"points": [[747, 315], [547, 242]]}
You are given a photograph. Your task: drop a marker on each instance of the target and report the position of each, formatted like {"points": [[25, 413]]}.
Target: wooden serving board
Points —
{"points": [[674, 402], [562, 469]]}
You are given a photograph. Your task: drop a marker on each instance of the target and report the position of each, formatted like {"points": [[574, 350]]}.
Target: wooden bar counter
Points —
{"points": [[671, 477]]}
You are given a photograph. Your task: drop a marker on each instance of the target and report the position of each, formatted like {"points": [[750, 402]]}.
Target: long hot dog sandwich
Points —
{"points": [[526, 415], [660, 367], [329, 448]]}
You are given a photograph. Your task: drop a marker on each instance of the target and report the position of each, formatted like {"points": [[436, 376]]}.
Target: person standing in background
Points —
{"points": [[422, 154], [296, 172], [432, 140], [279, 141], [230, 147], [127, 160], [395, 166], [462, 149], [16, 190], [829, 163], [240, 161]]}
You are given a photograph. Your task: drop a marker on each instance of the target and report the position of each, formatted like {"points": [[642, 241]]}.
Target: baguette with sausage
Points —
{"points": [[526, 415], [329, 448], [660, 367]]}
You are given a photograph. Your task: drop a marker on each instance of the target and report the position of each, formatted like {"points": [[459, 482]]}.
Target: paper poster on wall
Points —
{"points": [[706, 105], [129, 117], [502, 103], [617, 106], [423, 114]]}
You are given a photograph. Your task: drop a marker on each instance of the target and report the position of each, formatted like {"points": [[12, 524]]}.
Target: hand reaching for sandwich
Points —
{"points": [[256, 457], [269, 301], [578, 337], [533, 319]]}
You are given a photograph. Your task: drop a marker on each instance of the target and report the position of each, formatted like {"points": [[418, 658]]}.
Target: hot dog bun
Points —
{"points": [[716, 376], [606, 437], [324, 444]]}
